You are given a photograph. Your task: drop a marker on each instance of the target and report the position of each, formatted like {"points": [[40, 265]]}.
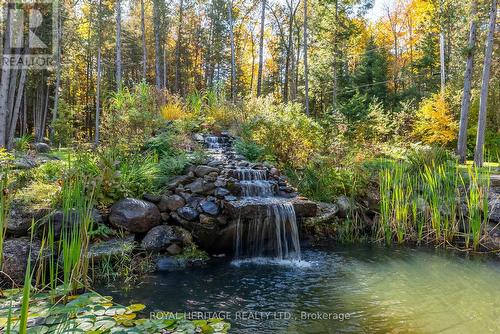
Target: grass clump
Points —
{"points": [[426, 205]]}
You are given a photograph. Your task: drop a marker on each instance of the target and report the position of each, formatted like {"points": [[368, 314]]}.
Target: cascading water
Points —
{"points": [[254, 183], [273, 234], [213, 142]]}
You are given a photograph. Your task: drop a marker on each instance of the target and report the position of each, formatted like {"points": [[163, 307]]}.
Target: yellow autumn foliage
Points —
{"points": [[172, 111], [435, 124]]}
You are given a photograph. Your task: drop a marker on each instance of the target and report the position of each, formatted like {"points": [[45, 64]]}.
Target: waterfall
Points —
{"points": [[213, 142], [274, 234], [272, 231], [254, 183], [256, 188], [249, 174]]}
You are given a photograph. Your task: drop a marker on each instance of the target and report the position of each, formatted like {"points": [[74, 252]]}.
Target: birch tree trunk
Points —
{"points": [[481, 125], [98, 83], [289, 51], [5, 83], [306, 68], [118, 45], [261, 48], [464, 110], [233, 63], [144, 51]]}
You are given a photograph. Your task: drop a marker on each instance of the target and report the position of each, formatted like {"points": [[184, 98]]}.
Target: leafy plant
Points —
{"points": [[288, 134], [23, 143], [249, 149]]}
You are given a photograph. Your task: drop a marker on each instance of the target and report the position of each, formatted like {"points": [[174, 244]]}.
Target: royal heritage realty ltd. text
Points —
{"points": [[250, 315]]}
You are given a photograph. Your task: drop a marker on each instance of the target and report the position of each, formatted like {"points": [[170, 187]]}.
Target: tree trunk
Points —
{"points": [[45, 112], [306, 68], [5, 82], [233, 63], [289, 52], [464, 110], [98, 83], [165, 67], [15, 112], [481, 125], [442, 58], [156, 28], [297, 61], [253, 65], [177, 83], [58, 77], [144, 51], [261, 48], [118, 45], [335, 55]]}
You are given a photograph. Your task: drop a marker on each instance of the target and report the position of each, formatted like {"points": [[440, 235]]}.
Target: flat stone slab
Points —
{"points": [[113, 247], [258, 206]]}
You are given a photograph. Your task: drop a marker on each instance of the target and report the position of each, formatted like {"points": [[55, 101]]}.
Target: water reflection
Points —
{"points": [[381, 291]]}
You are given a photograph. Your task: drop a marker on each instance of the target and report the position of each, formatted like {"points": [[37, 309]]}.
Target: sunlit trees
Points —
{"points": [[481, 126]]}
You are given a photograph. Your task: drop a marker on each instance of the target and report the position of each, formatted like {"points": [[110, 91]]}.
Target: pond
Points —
{"points": [[355, 289]]}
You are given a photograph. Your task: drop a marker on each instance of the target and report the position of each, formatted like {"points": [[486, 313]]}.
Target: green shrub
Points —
{"points": [[173, 165], [249, 149], [50, 171], [163, 144], [288, 134], [323, 181], [138, 175]]}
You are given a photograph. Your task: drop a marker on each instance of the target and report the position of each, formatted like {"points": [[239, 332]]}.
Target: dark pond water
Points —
{"points": [[336, 290]]}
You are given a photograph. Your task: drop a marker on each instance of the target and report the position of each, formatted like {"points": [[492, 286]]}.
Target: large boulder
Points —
{"points": [[201, 186], [161, 237], [494, 207], [25, 162], [21, 217], [15, 259], [171, 203], [203, 170], [179, 180], [42, 147], [134, 215]]}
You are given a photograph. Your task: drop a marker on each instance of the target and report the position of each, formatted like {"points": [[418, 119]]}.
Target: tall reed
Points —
{"points": [[477, 204], [425, 204], [74, 243]]}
